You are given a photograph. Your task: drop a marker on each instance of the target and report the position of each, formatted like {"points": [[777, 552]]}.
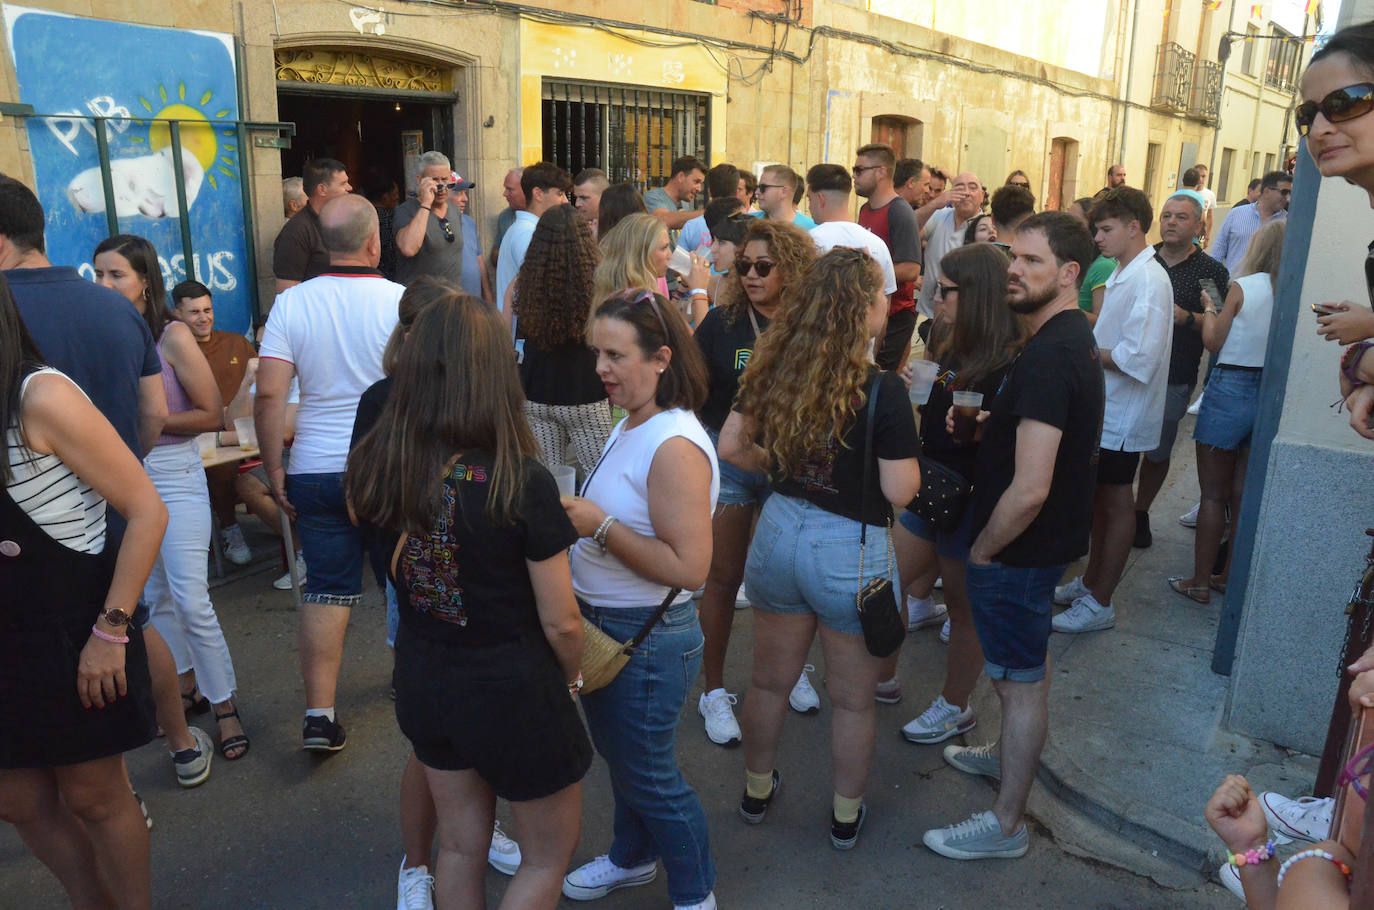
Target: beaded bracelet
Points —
{"points": [[1252, 857], [1308, 854], [604, 529], [1350, 360], [106, 636]]}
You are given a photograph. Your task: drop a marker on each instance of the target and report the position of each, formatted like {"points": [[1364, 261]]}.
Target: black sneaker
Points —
{"points": [[322, 735], [844, 836], [753, 810], [1143, 537]]}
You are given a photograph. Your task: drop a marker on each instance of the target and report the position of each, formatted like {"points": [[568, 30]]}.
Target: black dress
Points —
{"points": [[51, 597]]}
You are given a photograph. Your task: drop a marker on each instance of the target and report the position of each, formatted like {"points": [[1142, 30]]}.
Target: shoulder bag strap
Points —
{"points": [[754, 321], [633, 644], [868, 471]]}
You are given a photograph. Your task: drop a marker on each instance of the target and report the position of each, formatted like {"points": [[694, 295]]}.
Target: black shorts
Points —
{"points": [[895, 339], [502, 711], [1116, 467]]}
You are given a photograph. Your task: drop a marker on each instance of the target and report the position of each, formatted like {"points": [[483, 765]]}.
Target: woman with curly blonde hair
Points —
{"points": [[634, 257], [802, 415], [766, 277], [565, 401]]}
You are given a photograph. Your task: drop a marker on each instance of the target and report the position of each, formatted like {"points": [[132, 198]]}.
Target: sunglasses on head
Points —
{"points": [[762, 267], [1339, 106]]}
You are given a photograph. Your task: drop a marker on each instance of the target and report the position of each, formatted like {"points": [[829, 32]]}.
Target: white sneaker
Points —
{"points": [[1189, 519], [741, 599], [600, 877], [1229, 876], [1086, 615], [1197, 404], [944, 632], [923, 612], [235, 549], [504, 854], [1067, 594], [1306, 818], [804, 699], [939, 722], [721, 726], [708, 904], [284, 583], [939, 583], [414, 888]]}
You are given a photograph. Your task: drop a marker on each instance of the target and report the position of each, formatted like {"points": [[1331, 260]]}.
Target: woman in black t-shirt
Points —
{"points": [[767, 273], [978, 340], [802, 415], [490, 639], [565, 401]]}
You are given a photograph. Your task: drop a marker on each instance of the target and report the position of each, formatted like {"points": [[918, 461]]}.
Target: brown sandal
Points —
{"points": [[1198, 595]]}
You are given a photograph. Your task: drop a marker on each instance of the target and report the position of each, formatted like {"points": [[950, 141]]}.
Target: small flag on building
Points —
{"points": [[1213, 5], [1311, 8], [1257, 11]]}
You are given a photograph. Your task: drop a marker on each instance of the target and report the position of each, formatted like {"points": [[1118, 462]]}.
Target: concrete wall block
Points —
{"points": [[143, 12]]}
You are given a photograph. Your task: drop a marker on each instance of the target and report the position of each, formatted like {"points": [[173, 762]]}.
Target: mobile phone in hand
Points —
{"points": [[1322, 309], [1210, 286]]}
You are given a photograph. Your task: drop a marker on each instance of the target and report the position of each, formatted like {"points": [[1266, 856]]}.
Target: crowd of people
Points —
{"points": [[623, 419]]}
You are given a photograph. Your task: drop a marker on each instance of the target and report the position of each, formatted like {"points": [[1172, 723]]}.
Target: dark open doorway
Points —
{"points": [[367, 133]]}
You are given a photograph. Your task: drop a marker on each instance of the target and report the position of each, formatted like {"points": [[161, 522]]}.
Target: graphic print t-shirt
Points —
{"points": [[727, 349]]}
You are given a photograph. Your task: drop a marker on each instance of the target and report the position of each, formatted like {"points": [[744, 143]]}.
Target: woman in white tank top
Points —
{"points": [[645, 522]]}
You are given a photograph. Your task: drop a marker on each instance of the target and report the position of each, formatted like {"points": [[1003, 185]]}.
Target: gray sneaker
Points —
{"points": [[193, 765], [981, 760], [979, 837]]}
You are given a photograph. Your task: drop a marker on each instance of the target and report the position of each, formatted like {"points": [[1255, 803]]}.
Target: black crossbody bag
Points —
{"points": [[877, 600]]}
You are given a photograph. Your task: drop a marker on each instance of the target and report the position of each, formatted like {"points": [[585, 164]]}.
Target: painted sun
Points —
{"points": [[214, 144]]}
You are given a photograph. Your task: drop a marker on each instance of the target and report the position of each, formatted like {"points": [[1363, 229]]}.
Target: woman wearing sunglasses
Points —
{"points": [[644, 519], [802, 416], [766, 277]]}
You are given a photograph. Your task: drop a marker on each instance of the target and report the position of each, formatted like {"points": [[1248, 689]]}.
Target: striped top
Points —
{"points": [[58, 501]]}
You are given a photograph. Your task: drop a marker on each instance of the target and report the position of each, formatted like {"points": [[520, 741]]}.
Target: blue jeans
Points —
{"points": [[1012, 612], [332, 545], [633, 722]]}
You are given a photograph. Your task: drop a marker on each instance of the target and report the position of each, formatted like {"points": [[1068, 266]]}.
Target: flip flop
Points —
{"points": [[226, 745], [1197, 595]]}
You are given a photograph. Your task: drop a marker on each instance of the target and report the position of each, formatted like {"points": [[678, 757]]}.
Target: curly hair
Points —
{"points": [[809, 372], [553, 291], [790, 247]]}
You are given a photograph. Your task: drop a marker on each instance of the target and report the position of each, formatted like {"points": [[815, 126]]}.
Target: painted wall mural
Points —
{"points": [[128, 73]]}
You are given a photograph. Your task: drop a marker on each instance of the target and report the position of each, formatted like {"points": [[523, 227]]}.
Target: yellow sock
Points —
{"points": [[758, 786], [846, 809]]}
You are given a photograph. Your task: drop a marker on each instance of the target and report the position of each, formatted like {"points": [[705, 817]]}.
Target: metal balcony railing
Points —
{"points": [[1205, 102], [1173, 77]]}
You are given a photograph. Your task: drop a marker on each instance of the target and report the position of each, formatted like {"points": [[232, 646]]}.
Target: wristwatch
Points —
{"points": [[115, 617]]}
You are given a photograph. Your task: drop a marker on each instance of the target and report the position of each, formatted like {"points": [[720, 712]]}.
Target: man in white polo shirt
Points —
{"points": [[330, 332], [827, 194], [1134, 335]]}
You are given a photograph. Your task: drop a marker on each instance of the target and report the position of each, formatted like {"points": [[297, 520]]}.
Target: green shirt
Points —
{"points": [[1097, 276]]}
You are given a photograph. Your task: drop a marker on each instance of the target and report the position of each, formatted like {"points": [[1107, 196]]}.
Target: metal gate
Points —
{"points": [[633, 134]]}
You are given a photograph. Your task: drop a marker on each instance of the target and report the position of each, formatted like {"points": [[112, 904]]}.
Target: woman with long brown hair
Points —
{"points": [[767, 275], [802, 416], [565, 402], [67, 645], [490, 640], [979, 338]]}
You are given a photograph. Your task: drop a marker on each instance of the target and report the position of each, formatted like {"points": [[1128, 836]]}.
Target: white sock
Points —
{"points": [[714, 692], [321, 712]]}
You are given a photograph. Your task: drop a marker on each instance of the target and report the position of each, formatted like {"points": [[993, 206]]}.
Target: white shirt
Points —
{"points": [[332, 329], [1209, 199], [620, 485], [1136, 325], [512, 255], [1248, 338], [942, 235], [831, 234]]}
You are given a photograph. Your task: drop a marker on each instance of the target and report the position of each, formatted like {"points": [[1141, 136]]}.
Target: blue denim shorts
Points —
{"points": [[948, 544], [332, 545], [739, 487], [1229, 406], [805, 560], [1012, 610]]}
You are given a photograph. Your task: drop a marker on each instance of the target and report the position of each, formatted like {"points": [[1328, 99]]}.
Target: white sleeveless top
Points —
{"points": [[620, 485], [1248, 339], [58, 501]]}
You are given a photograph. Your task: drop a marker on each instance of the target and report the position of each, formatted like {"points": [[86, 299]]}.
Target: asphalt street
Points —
{"points": [[282, 828]]}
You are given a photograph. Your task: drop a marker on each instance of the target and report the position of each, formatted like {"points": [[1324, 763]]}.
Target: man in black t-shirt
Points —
{"points": [[1032, 513]]}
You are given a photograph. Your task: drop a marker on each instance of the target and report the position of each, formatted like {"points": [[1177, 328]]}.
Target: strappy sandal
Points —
{"points": [[192, 702], [1200, 595], [1218, 586], [233, 742]]}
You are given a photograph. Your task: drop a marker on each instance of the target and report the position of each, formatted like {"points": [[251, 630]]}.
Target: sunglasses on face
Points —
{"points": [[764, 187], [1024, 186], [1341, 105], [944, 290], [762, 267], [858, 169]]}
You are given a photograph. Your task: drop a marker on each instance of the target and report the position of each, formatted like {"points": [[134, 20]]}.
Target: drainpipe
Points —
{"points": [[1130, 72]]}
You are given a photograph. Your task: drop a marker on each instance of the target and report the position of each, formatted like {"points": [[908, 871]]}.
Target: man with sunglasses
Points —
{"points": [[429, 239], [888, 215], [1243, 220], [779, 192]]}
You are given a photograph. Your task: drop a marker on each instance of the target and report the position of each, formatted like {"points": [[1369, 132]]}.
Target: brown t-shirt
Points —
{"points": [[228, 353], [299, 253]]}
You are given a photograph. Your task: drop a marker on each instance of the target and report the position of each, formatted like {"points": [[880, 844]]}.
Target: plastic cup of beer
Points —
{"points": [[205, 444], [247, 433], [966, 408], [565, 475], [923, 373]]}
